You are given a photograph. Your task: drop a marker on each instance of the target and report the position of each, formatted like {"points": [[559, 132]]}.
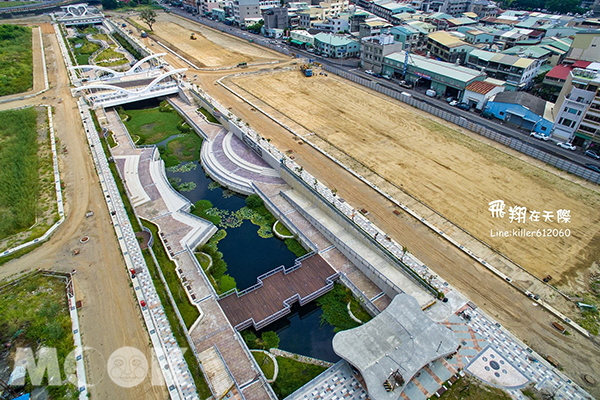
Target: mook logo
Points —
{"points": [[126, 367]]}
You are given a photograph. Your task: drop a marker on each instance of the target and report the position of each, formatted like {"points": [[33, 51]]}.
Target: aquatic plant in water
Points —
{"points": [[185, 167], [187, 187], [213, 185]]}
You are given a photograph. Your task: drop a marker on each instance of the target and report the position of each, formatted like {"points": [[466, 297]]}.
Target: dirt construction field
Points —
{"points": [[449, 171], [211, 49]]}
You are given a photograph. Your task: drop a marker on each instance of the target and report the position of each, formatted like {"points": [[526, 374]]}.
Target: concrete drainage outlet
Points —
{"points": [[84, 239]]}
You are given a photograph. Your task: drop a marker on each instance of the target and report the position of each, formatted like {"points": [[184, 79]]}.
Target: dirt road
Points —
{"points": [[110, 317]]}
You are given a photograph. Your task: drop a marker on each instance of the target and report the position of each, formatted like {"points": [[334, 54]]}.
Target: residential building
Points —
{"points": [[518, 72], [373, 27], [244, 9], [336, 46], [478, 93], [410, 37], [455, 23], [448, 46], [206, 6], [484, 8], [357, 18], [386, 8], [555, 79], [476, 36], [455, 7], [276, 18], [585, 47], [334, 25], [373, 49], [218, 14], [301, 37], [445, 78], [522, 110], [578, 108]]}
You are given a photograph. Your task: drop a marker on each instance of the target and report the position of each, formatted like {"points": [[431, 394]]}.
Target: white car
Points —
{"points": [[453, 103], [369, 72], [538, 135], [565, 145]]}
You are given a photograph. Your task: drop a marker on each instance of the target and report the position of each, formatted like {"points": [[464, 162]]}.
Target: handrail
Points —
{"points": [[410, 273]]}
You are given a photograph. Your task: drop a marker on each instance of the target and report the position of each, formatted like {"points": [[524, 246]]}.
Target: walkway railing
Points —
{"points": [[392, 258], [287, 222]]}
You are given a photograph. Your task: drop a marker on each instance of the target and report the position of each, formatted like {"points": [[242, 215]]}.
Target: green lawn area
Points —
{"points": [[468, 388], [265, 363], [111, 140], [19, 171], [5, 4], [185, 148], [103, 58], [282, 230], [358, 311], [188, 311], [293, 375], [83, 49], [209, 116], [16, 59], [152, 125], [203, 259], [33, 311]]}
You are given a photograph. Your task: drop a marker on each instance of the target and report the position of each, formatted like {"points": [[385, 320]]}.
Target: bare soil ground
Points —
{"points": [[110, 317], [211, 49], [449, 171]]}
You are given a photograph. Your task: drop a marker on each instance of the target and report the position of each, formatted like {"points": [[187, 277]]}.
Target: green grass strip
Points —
{"points": [[16, 59]]}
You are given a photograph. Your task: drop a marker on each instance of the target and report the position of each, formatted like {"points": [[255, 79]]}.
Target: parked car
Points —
{"points": [[369, 72], [387, 77], [593, 154], [540, 136], [450, 99], [453, 103], [406, 94], [378, 75], [405, 84], [593, 167], [566, 145], [431, 93], [464, 106]]}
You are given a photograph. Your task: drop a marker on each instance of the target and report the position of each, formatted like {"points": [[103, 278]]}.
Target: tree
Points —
{"points": [[270, 340], [148, 16], [254, 201], [110, 4]]}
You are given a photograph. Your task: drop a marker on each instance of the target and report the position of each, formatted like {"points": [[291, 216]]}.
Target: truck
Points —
{"points": [[306, 70], [431, 93]]}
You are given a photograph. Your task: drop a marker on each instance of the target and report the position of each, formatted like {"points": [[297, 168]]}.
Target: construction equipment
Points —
{"points": [[193, 36], [306, 70]]}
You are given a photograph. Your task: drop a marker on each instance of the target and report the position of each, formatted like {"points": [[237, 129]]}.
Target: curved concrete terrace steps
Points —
{"points": [[237, 167], [231, 148]]}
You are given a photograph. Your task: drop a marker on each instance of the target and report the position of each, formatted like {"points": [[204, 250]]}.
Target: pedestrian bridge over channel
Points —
{"points": [[276, 291]]}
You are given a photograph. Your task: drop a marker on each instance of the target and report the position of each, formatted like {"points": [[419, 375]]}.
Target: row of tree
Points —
{"points": [[558, 6]]}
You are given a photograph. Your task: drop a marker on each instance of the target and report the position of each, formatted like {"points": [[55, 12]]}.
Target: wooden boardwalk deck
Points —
{"points": [[278, 292]]}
